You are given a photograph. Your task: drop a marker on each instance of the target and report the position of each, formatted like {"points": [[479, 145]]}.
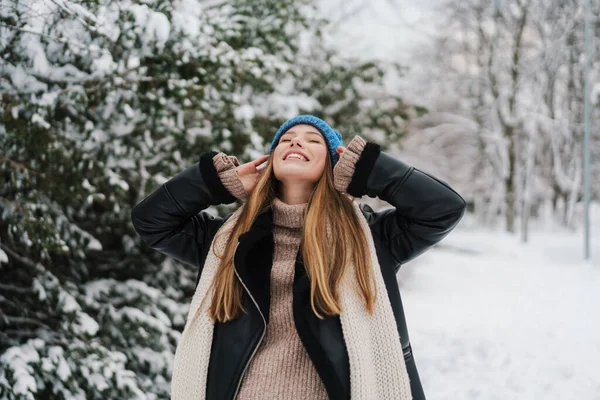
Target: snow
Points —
{"points": [[490, 318], [86, 324], [142, 287], [56, 359], [116, 180], [199, 131], [87, 185], [104, 65], [128, 111], [20, 358], [63, 370], [153, 360], [106, 18], [67, 303], [159, 28], [122, 129], [286, 105], [38, 287], [156, 25], [99, 135], [160, 178], [48, 98], [38, 119], [595, 94], [244, 112], [139, 317], [94, 244]]}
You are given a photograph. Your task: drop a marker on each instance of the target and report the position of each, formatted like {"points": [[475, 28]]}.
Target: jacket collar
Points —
{"points": [[253, 260], [262, 226]]}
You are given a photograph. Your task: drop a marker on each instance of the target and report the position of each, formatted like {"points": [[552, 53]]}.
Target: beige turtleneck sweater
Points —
{"points": [[281, 367]]}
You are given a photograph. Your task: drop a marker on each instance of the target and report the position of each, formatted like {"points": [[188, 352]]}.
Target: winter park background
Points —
{"points": [[101, 102]]}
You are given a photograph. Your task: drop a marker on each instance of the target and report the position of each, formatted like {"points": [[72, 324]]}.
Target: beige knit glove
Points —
{"points": [[226, 169], [344, 169]]}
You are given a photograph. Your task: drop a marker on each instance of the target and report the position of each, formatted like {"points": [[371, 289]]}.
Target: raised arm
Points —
{"points": [[425, 209], [171, 219]]}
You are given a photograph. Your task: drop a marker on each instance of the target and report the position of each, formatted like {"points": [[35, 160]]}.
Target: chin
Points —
{"points": [[296, 174]]}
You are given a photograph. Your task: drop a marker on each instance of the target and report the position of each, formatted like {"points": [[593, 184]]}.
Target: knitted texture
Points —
{"points": [[344, 169], [226, 169], [332, 137], [377, 367], [281, 367], [192, 355]]}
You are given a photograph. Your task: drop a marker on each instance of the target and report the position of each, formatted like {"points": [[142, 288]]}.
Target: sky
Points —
{"points": [[385, 29]]}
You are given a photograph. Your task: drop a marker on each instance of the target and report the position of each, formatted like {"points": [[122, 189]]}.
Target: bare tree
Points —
{"points": [[514, 68]]}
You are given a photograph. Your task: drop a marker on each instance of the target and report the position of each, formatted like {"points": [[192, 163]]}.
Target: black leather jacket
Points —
{"points": [[171, 221]]}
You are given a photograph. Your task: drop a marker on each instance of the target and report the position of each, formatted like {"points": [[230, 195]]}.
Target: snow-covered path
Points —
{"points": [[492, 319]]}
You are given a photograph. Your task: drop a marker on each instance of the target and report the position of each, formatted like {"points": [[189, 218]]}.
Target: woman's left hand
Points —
{"points": [[348, 156]]}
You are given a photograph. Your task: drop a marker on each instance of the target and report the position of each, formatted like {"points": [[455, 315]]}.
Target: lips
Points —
{"points": [[285, 156]]}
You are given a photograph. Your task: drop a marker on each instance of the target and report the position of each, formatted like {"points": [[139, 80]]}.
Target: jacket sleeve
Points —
{"points": [[171, 219], [425, 209]]}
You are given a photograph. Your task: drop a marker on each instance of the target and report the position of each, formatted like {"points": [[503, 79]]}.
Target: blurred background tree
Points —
{"points": [[504, 84]]}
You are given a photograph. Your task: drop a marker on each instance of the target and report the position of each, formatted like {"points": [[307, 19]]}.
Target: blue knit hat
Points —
{"points": [[332, 137]]}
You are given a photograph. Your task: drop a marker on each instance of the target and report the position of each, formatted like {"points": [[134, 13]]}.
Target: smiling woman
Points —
{"points": [[302, 258]]}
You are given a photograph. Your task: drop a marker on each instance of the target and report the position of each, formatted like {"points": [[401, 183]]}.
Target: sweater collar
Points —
{"points": [[288, 215]]}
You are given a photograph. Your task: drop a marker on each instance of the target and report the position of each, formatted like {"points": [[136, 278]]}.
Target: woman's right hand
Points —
{"points": [[248, 173]]}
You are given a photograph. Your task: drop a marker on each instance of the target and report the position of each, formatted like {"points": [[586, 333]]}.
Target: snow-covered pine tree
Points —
{"points": [[100, 103]]}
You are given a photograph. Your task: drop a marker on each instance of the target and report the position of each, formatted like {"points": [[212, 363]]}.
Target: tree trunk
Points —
{"points": [[509, 181]]}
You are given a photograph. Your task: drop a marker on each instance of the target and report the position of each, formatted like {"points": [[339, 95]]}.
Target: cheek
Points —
{"points": [[322, 156], [277, 161], [276, 153], [321, 162]]}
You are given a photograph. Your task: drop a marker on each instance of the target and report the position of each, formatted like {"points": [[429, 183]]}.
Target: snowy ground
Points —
{"points": [[492, 319]]}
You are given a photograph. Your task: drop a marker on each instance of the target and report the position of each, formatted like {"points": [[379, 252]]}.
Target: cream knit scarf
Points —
{"points": [[377, 367]]}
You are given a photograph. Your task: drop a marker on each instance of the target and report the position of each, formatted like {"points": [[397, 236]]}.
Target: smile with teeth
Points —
{"points": [[297, 156]]}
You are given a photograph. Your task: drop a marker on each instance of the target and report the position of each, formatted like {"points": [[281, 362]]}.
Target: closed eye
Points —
{"points": [[289, 140]]}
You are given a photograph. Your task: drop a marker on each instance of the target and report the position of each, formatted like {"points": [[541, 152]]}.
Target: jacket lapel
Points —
{"points": [[322, 338], [254, 259]]}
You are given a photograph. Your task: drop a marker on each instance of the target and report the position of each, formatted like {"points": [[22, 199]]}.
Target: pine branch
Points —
{"points": [[9, 303], [75, 14], [13, 204], [16, 289], [23, 260], [10, 320], [18, 165], [50, 37]]}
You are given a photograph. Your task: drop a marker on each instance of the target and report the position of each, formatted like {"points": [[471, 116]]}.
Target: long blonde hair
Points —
{"points": [[324, 257]]}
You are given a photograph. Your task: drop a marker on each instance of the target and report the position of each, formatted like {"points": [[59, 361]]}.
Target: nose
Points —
{"points": [[295, 140]]}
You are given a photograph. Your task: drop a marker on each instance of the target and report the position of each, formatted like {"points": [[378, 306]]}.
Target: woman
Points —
{"points": [[297, 295]]}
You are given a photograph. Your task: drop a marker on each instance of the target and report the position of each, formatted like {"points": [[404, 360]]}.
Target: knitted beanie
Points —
{"points": [[332, 137]]}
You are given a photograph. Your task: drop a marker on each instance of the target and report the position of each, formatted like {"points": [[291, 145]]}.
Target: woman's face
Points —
{"points": [[307, 141]]}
